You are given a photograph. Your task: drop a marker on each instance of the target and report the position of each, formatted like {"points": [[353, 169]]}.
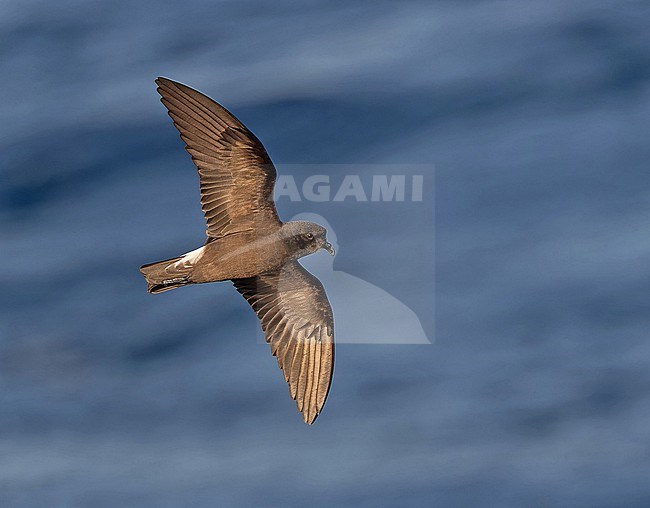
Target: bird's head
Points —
{"points": [[306, 237]]}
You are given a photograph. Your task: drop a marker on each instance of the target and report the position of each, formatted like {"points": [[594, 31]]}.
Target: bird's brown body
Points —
{"points": [[235, 256], [249, 245], [241, 255]]}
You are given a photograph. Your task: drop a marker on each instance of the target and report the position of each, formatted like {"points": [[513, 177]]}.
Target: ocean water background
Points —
{"points": [[536, 391]]}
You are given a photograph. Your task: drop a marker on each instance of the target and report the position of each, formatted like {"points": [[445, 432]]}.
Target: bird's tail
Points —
{"points": [[165, 275]]}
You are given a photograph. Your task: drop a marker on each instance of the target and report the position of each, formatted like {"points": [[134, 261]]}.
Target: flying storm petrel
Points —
{"points": [[248, 244]]}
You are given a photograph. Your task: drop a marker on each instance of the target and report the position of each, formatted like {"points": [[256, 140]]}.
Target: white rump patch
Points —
{"points": [[191, 258]]}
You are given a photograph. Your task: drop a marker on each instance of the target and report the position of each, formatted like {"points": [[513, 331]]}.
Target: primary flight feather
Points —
{"points": [[248, 244]]}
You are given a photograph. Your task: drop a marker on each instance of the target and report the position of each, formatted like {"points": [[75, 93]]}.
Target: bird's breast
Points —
{"points": [[240, 256]]}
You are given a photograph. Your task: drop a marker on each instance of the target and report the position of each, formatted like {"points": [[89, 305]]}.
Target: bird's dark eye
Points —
{"points": [[309, 236]]}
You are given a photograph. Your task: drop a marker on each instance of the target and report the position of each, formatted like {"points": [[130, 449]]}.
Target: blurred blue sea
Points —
{"points": [[536, 391]]}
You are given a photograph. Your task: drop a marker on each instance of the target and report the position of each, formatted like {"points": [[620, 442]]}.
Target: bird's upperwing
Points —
{"points": [[298, 324], [235, 172]]}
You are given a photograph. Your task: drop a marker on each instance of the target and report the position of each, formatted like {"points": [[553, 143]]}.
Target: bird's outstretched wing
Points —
{"points": [[235, 172], [298, 324]]}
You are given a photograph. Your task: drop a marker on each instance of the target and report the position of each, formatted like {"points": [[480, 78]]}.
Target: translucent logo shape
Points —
{"points": [[363, 312]]}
